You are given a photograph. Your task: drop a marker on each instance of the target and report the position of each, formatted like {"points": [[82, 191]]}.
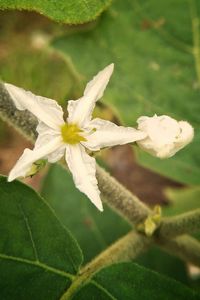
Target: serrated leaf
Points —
{"points": [[93, 230], [151, 45], [38, 256], [132, 282], [70, 12]]}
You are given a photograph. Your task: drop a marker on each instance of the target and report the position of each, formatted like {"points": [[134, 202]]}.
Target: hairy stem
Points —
{"points": [[22, 121], [120, 199], [185, 223], [125, 249]]}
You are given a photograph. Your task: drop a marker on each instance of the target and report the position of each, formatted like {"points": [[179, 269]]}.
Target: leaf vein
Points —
{"points": [[29, 231], [37, 264]]}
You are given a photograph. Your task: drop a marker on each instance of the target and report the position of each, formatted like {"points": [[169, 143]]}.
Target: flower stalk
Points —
{"points": [[188, 222], [125, 249]]}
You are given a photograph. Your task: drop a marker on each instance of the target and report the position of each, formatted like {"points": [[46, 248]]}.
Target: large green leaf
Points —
{"points": [[70, 11], [38, 256], [39, 259], [94, 230], [132, 282], [151, 46]]}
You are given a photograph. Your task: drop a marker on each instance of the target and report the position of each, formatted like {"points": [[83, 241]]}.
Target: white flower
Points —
{"points": [[57, 138], [165, 136]]}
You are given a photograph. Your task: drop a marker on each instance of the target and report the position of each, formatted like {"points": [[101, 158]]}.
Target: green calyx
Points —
{"points": [[151, 223], [71, 134]]}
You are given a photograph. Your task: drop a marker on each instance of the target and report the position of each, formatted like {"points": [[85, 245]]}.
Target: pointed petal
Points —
{"points": [[83, 168], [80, 111], [45, 109], [30, 156], [108, 134], [45, 136]]}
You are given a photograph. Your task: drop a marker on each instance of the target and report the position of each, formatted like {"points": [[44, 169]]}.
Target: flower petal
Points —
{"points": [[45, 136], [165, 135], [28, 157], [108, 134], [83, 168], [80, 111], [45, 109]]}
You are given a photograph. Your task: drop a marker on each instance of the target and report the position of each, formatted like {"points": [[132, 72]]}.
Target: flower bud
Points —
{"points": [[165, 135]]}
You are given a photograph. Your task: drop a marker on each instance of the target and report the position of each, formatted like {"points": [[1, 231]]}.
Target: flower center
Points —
{"points": [[71, 134]]}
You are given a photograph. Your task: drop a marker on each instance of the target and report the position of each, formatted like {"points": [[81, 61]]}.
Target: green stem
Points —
{"points": [[125, 249], [185, 223], [22, 121], [120, 199]]}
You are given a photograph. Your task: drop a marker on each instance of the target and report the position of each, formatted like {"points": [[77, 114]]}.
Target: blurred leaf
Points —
{"points": [[131, 282], [71, 12], [161, 262], [181, 200], [38, 256], [93, 230], [151, 46], [34, 66]]}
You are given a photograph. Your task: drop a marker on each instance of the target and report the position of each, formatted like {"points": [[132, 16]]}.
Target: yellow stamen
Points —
{"points": [[70, 134]]}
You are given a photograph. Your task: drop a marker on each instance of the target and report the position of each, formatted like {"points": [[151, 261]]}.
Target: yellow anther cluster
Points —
{"points": [[71, 134]]}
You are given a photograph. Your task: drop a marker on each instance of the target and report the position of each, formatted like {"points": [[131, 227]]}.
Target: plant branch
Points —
{"points": [[185, 223], [120, 199], [125, 249], [22, 121]]}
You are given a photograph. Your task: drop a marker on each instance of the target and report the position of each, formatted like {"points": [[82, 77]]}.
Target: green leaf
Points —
{"points": [[93, 230], [181, 200], [131, 282], [70, 11], [161, 262], [38, 256], [151, 44]]}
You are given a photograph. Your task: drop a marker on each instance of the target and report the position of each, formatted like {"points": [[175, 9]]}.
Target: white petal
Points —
{"points": [[108, 134], [25, 162], [80, 111], [165, 135], [83, 168], [45, 109], [45, 136]]}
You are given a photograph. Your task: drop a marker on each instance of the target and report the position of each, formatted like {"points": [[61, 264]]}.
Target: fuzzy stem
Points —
{"points": [[125, 249], [185, 223], [120, 199], [22, 121]]}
